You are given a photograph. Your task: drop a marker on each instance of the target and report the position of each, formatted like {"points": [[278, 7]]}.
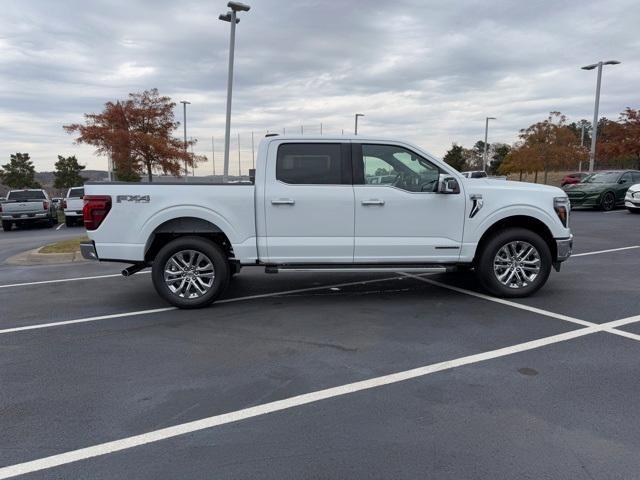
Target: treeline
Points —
{"points": [[21, 173], [554, 144]]}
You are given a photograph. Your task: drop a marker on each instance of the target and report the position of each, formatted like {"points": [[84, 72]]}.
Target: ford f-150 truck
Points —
{"points": [[330, 203], [27, 206]]}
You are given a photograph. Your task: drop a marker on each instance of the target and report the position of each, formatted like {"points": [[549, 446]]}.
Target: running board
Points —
{"points": [[363, 268]]}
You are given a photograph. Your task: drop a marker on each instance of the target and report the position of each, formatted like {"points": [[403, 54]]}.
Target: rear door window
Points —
{"points": [[313, 164]]}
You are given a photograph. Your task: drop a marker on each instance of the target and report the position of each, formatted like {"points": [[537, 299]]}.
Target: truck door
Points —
{"points": [[309, 202], [399, 216]]}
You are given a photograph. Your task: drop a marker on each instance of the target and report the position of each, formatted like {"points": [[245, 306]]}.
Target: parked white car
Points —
{"points": [[72, 206], [311, 208], [632, 198]]}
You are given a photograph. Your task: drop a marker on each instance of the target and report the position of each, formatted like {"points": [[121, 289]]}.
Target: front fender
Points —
{"points": [[548, 218]]}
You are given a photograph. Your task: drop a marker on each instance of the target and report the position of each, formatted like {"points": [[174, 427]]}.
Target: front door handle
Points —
{"points": [[375, 201], [283, 201]]}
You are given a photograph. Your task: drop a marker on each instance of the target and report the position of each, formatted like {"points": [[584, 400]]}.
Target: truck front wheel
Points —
{"points": [[190, 272], [515, 262], [6, 226]]}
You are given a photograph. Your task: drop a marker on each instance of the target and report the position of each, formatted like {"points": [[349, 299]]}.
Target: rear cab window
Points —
{"points": [[26, 195], [313, 164], [76, 192]]}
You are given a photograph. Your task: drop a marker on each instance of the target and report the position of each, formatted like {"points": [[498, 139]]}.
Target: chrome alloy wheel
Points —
{"points": [[517, 264], [189, 274]]}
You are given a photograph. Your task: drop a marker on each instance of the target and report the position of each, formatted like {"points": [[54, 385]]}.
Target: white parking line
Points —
{"points": [[60, 226], [292, 402], [502, 301], [167, 309], [62, 280], [605, 251], [609, 329]]}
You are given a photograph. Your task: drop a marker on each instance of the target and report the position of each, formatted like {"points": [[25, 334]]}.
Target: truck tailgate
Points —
{"points": [[23, 208]]}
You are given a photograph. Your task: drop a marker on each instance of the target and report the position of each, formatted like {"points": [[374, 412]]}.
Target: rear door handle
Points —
{"points": [[283, 201], [373, 202]]}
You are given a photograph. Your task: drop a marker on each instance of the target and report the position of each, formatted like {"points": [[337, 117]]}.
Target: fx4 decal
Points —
{"points": [[133, 198]]}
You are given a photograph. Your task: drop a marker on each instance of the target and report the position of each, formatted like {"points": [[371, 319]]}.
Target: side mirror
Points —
{"points": [[448, 184]]}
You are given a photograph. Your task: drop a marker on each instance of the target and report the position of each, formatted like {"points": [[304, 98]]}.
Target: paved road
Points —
{"points": [[561, 409]]}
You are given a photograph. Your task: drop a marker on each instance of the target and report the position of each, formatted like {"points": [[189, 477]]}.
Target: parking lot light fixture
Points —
{"points": [[356, 125], [594, 132], [184, 117], [486, 134], [231, 17]]}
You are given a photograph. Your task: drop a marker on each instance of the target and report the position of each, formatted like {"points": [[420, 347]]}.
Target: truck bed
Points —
{"points": [[139, 209]]}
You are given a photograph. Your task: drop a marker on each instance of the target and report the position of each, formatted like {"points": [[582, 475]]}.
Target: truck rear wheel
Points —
{"points": [[6, 226], [514, 263], [190, 272]]}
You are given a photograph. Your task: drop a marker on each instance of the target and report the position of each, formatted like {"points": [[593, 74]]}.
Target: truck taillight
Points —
{"points": [[45, 205], [64, 203], [95, 210]]}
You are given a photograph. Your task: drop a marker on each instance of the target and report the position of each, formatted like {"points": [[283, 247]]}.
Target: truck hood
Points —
{"points": [[509, 185]]}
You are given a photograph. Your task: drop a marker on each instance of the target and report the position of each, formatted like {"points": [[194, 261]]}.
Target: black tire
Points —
{"points": [[6, 226], [486, 257], [608, 202], [69, 222], [214, 253]]}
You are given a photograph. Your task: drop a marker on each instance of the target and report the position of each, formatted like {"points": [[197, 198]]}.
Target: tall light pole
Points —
{"points": [[594, 130], [486, 135], [355, 130], [213, 157], [231, 17], [184, 122]]}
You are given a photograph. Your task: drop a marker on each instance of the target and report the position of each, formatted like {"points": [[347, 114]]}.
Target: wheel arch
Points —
{"points": [[519, 221], [185, 226]]}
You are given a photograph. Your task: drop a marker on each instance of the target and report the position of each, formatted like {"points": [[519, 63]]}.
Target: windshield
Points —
{"points": [[26, 195], [604, 177]]}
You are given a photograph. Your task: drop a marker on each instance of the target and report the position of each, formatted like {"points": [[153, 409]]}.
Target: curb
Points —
{"points": [[34, 257]]}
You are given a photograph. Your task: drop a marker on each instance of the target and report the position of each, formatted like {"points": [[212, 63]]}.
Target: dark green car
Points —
{"points": [[604, 190]]}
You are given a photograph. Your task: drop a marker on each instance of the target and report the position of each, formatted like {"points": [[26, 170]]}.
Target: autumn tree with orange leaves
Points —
{"points": [[138, 134], [619, 142], [544, 146]]}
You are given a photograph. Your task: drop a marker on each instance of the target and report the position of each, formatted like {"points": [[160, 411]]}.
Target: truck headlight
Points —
{"points": [[562, 206]]}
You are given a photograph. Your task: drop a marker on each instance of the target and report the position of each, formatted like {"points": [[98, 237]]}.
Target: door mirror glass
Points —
{"points": [[448, 184]]}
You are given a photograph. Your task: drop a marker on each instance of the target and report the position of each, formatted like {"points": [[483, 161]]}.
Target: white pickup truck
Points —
{"points": [[73, 205], [27, 206], [330, 203]]}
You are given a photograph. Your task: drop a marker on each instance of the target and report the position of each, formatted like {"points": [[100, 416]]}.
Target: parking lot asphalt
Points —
{"points": [[19, 240], [300, 375]]}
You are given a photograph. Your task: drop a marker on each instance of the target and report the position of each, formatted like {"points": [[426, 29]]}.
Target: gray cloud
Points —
{"points": [[423, 70]]}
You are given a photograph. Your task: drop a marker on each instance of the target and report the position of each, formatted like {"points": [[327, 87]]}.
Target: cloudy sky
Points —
{"points": [[427, 71]]}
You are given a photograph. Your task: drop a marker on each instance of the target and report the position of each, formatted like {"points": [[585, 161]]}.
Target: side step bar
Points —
{"points": [[360, 268]]}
